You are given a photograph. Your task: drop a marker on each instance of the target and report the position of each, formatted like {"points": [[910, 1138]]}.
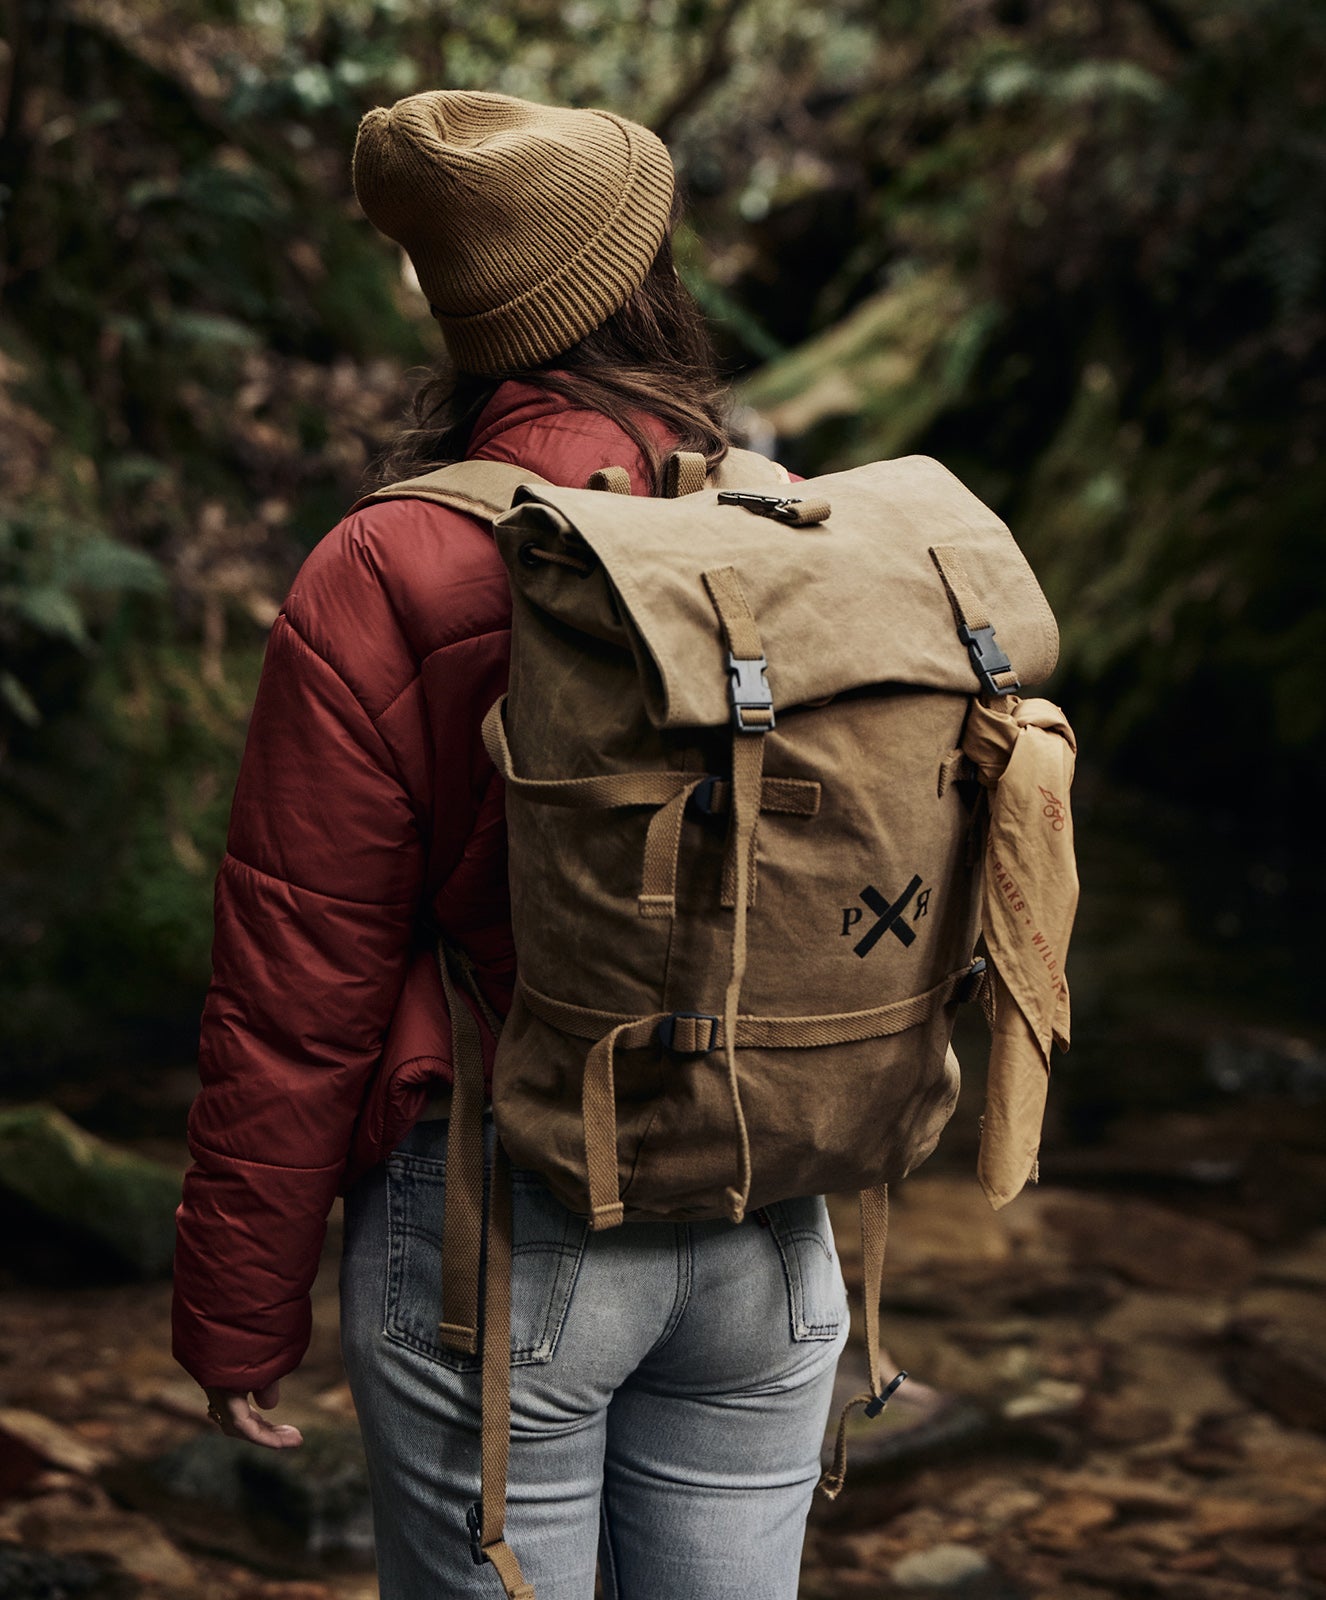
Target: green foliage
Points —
{"points": [[1075, 249]]}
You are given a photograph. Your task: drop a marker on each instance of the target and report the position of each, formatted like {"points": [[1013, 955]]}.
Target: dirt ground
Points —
{"points": [[1119, 1389]]}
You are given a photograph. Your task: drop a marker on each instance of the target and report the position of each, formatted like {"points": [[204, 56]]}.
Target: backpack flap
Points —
{"points": [[842, 603]]}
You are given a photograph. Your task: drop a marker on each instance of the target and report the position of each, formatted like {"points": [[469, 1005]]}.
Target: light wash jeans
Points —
{"points": [[670, 1389]]}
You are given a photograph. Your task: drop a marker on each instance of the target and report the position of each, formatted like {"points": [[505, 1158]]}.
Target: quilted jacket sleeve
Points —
{"points": [[315, 902]]}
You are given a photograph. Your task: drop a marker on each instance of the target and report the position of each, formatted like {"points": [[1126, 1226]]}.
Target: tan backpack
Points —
{"points": [[747, 840]]}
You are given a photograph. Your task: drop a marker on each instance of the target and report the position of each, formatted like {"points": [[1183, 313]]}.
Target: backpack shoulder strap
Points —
{"points": [[746, 469], [482, 489]]}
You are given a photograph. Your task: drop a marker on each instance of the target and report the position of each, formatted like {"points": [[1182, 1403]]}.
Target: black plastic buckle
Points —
{"points": [[667, 1030], [474, 1522], [748, 689], [777, 506], [969, 985], [702, 797], [987, 658], [875, 1405]]}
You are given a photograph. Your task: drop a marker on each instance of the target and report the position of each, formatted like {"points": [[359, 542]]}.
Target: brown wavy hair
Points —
{"points": [[653, 357]]}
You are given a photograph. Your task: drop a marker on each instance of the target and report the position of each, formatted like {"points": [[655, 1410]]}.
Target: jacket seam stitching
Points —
{"points": [[404, 689], [390, 765], [272, 1166], [322, 894]]}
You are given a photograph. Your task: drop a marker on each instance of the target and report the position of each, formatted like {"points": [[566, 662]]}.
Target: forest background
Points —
{"points": [[1074, 248]]}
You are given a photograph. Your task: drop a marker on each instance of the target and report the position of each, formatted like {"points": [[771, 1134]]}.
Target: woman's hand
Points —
{"points": [[236, 1418]]}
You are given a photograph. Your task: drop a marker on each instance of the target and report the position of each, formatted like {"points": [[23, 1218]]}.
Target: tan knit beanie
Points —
{"points": [[527, 225]]}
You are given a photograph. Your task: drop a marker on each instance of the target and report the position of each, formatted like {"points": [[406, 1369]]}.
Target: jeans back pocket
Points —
{"points": [[547, 1244], [816, 1294]]}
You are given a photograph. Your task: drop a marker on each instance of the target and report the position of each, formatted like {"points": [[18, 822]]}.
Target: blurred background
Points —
{"points": [[1076, 249]]}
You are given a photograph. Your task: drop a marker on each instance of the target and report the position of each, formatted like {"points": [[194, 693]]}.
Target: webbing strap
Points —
{"points": [[874, 1239], [750, 725], [970, 610], [607, 790], [967, 605], [495, 1415], [615, 480], [658, 889], [734, 613], [747, 769], [598, 1107], [791, 797], [766, 1033], [684, 472], [462, 1216], [670, 791]]}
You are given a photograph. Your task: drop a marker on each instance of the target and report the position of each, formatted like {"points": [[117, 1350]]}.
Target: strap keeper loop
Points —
{"points": [[689, 1038]]}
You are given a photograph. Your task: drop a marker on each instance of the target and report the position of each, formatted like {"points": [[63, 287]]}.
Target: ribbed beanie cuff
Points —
{"points": [[527, 225]]}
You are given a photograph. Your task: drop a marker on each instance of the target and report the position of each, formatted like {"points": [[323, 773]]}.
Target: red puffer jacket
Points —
{"points": [[365, 802]]}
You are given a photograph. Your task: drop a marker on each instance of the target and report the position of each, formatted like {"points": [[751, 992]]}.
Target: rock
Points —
{"points": [[1051, 1397], [1124, 1570], [994, 1502], [1262, 1563], [1134, 1496], [1280, 1370], [1280, 1512], [37, 1575], [841, 1584], [943, 1566], [31, 1443], [65, 1525], [1064, 1522], [1195, 1561], [113, 1205], [316, 1496], [296, 1589], [1173, 1539], [173, 1397], [947, 1221], [1168, 1318], [1306, 1263], [1154, 1246], [1117, 1421]]}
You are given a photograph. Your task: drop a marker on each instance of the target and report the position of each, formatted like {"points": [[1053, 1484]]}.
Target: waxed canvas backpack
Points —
{"points": [[769, 778]]}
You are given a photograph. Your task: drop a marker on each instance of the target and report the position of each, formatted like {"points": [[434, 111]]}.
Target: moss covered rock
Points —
{"points": [[118, 1205]]}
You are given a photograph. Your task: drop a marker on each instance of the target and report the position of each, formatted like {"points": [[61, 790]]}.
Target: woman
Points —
{"points": [[670, 1383]]}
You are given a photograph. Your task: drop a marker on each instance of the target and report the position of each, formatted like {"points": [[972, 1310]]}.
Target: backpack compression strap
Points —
{"points": [[975, 629], [874, 1237], [462, 1243]]}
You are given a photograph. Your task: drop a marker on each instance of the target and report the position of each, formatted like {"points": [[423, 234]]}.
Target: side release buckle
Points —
{"points": [[987, 658], [752, 699]]}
